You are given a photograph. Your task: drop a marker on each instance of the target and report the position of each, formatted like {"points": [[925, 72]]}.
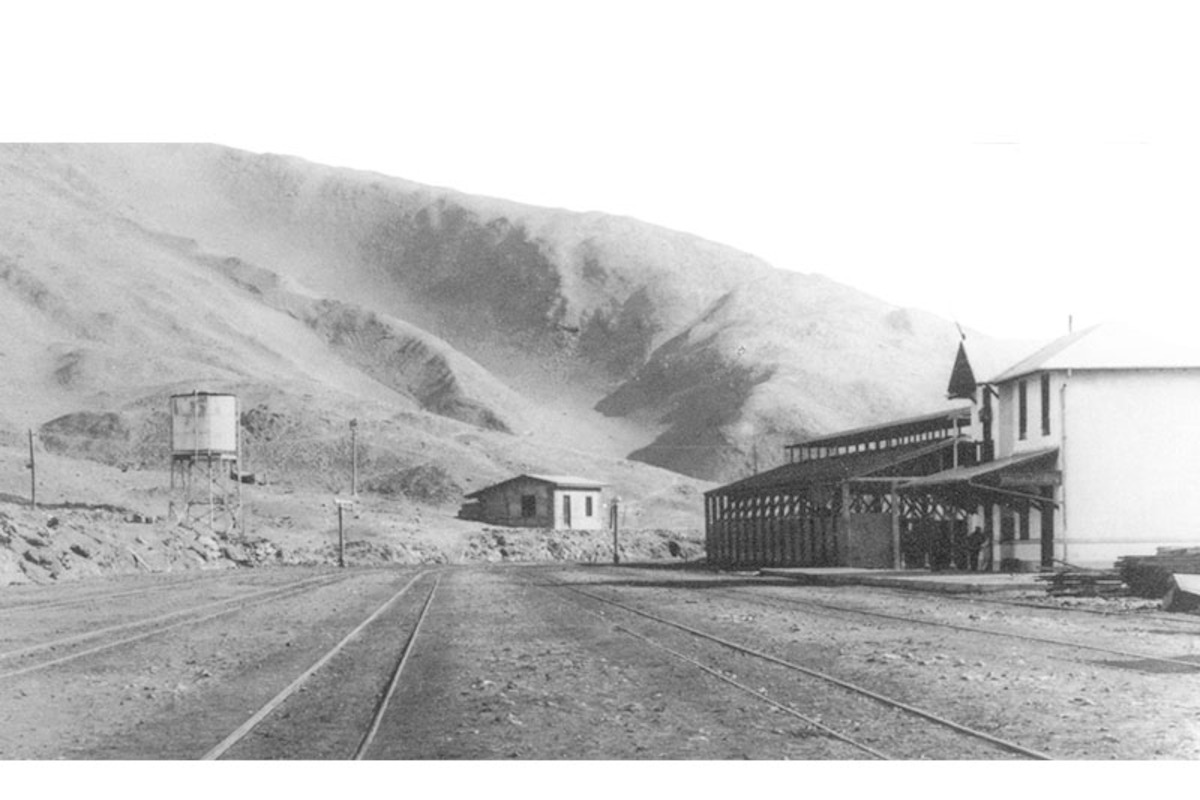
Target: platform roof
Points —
{"points": [[910, 426], [835, 468], [988, 469]]}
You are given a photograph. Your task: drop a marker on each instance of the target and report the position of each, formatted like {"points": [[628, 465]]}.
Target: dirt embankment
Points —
{"points": [[59, 543]]}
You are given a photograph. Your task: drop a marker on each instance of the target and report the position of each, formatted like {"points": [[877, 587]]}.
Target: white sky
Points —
{"points": [[1002, 163]]}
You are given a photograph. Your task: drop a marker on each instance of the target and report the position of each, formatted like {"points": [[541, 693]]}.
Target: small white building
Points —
{"points": [[1090, 450], [561, 502]]}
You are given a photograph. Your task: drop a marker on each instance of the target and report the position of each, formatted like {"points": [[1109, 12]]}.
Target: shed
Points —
{"points": [[561, 502]]}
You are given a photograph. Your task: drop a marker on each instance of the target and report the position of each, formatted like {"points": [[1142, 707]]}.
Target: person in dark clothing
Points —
{"points": [[941, 546], [975, 543], [959, 552]]}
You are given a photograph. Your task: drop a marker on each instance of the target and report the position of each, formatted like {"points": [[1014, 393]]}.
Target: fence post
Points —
{"points": [[32, 473]]}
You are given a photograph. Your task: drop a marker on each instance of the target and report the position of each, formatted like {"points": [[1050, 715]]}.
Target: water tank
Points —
{"points": [[204, 424]]}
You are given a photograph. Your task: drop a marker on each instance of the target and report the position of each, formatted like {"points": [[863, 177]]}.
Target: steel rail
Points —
{"points": [[276, 594], [963, 729], [381, 709], [1132, 614], [967, 628], [102, 596], [757, 695], [739, 685], [237, 735], [98, 632]]}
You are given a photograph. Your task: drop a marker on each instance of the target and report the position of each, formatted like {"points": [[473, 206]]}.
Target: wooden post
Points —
{"points": [[32, 473], [842, 536], [354, 458], [896, 560], [615, 516], [341, 537]]}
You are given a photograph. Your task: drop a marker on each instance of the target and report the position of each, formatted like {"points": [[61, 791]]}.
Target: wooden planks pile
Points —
{"points": [[1150, 576], [1083, 583]]}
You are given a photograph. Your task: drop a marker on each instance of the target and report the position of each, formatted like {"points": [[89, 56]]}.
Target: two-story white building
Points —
{"points": [[1085, 451], [1090, 450]]}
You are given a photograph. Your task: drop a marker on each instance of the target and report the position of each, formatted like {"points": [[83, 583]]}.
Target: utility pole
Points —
{"points": [[615, 518], [354, 458], [341, 534], [32, 473]]}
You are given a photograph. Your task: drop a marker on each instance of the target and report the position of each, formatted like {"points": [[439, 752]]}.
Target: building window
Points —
{"points": [[1023, 519], [1046, 405], [1022, 409], [528, 505], [587, 506]]}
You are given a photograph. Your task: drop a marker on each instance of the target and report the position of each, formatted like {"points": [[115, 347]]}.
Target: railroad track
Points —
{"points": [[826, 607], [53, 652], [821, 606], [1138, 614], [925, 733], [303, 727], [207, 576]]}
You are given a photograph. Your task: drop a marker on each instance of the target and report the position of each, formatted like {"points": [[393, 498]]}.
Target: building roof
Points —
{"points": [[910, 426], [988, 468], [834, 468], [1110, 346], [558, 481]]}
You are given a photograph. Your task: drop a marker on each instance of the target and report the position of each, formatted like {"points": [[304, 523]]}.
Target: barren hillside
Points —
{"points": [[471, 334]]}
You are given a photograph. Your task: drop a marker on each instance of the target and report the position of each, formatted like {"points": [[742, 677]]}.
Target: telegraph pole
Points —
{"points": [[341, 535], [615, 518], [32, 473], [354, 458]]}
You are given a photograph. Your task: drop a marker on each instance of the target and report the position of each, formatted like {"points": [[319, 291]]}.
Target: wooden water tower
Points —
{"points": [[206, 491]]}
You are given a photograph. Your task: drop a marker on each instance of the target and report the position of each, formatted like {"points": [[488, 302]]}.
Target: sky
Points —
{"points": [[1017, 167]]}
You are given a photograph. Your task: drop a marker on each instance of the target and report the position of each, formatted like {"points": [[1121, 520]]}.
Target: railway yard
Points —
{"points": [[561, 661]]}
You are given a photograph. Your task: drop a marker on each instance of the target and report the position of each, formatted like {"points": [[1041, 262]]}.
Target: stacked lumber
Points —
{"points": [[1150, 576], [1083, 583]]}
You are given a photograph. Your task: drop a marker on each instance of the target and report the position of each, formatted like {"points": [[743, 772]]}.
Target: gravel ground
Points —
{"points": [[511, 665]]}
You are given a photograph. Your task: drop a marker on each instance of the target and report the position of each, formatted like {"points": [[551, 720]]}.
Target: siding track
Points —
{"points": [[114, 636], [940, 747], [358, 657], [174, 585], [834, 607]]}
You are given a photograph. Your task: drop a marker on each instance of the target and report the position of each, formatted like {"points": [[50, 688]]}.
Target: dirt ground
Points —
{"points": [[511, 664]]}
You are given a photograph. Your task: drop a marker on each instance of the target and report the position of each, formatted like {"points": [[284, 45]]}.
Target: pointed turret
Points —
{"points": [[962, 378]]}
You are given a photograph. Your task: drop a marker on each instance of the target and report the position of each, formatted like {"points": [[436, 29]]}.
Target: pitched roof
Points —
{"points": [[559, 481], [566, 480], [1106, 346], [962, 377]]}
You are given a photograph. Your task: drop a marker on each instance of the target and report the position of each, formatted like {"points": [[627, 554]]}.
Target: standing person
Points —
{"points": [[975, 543]]}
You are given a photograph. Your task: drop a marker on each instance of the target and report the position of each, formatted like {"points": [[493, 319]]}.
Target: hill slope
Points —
{"points": [[475, 334]]}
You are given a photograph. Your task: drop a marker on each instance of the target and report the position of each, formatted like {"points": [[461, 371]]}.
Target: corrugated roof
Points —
{"points": [[1107, 346], [962, 474], [834, 468], [926, 423]]}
